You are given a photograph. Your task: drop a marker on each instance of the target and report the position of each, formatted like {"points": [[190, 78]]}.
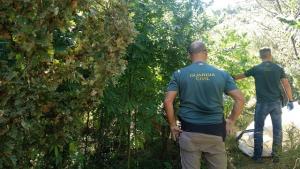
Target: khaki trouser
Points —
{"points": [[193, 145]]}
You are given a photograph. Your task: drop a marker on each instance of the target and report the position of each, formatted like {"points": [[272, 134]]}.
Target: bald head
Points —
{"points": [[198, 51], [197, 47]]}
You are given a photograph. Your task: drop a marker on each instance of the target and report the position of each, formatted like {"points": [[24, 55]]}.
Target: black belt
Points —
{"points": [[211, 129]]}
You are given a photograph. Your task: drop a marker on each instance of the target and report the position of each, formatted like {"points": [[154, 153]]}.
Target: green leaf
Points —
{"points": [[13, 160], [25, 125]]}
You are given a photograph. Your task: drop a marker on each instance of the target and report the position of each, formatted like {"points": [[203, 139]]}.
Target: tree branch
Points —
{"points": [[271, 12], [298, 13], [294, 46], [279, 6], [285, 4]]}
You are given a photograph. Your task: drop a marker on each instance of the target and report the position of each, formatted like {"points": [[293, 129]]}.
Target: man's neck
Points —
{"points": [[267, 60], [199, 60]]}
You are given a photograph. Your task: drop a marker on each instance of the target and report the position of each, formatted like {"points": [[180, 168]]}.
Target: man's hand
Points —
{"points": [[229, 127], [175, 130], [290, 105]]}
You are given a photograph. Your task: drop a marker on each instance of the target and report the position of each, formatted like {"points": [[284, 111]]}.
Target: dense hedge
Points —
{"points": [[55, 60]]}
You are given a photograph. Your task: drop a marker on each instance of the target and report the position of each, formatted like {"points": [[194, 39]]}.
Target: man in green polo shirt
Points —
{"points": [[268, 78], [201, 89]]}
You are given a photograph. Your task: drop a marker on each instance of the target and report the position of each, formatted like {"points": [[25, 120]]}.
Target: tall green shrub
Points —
{"points": [[56, 59]]}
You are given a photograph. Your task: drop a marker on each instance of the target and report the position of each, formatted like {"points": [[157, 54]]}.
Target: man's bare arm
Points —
{"points": [[168, 105], [287, 88], [240, 76], [238, 106]]}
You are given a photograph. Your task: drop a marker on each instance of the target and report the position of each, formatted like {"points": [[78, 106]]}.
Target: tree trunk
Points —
{"points": [[86, 140], [128, 141], [129, 120]]}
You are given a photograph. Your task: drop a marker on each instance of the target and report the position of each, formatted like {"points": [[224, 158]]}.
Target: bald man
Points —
{"points": [[201, 87]]}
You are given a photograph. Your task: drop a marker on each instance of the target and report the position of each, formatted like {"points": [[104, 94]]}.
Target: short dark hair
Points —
{"points": [[264, 52], [196, 47]]}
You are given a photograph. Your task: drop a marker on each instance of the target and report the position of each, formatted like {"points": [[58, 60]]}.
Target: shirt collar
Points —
{"points": [[199, 63]]}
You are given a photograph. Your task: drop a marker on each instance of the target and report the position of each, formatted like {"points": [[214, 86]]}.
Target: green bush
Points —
{"points": [[56, 58]]}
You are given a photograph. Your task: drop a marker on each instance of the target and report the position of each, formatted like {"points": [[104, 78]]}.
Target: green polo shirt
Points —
{"points": [[201, 88], [267, 77]]}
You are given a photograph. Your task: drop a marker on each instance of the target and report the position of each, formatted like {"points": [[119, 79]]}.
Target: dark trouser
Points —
{"points": [[261, 112]]}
